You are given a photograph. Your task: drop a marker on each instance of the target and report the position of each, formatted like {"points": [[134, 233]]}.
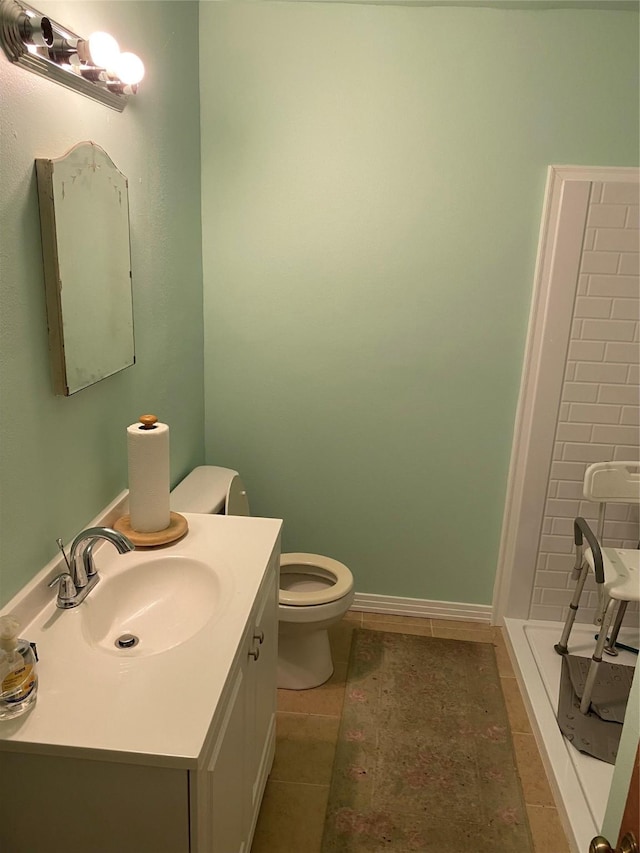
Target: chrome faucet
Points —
{"points": [[77, 583]]}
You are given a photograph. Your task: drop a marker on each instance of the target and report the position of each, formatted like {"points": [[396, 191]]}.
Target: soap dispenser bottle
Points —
{"points": [[18, 677]]}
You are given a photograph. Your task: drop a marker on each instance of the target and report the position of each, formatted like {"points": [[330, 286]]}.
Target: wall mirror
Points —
{"points": [[84, 220]]}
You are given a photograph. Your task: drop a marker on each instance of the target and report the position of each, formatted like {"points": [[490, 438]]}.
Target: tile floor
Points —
{"points": [[292, 814]]}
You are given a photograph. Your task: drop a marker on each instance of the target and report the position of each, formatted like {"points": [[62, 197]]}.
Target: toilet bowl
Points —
{"points": [[315, 591]]}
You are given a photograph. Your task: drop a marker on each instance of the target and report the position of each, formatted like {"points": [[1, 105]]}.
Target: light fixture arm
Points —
{"points": [[41, 45]]}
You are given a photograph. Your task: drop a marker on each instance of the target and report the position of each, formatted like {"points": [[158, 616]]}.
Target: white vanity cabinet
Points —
{"points": [[226, 793], [143, 775], [261, 720]]}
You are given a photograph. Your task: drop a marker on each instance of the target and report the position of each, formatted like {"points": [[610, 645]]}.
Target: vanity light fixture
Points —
{"points": [[94, 66]]}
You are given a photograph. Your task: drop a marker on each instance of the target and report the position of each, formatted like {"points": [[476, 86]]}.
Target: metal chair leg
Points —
{"points": [[596, 660], [561, 647], [610, 647]]}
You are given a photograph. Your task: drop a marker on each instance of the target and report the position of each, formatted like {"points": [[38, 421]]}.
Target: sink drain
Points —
{"points": [[126, 641]]}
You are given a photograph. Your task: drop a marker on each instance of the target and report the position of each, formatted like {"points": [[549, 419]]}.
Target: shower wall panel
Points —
{"points": [[598, 415]]}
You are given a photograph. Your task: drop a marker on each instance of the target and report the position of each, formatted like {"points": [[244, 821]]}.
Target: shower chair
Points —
{"points": [[617, 570]]}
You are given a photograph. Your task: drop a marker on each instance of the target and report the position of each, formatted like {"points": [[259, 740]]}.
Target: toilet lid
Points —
{"points": [[324, 567]]}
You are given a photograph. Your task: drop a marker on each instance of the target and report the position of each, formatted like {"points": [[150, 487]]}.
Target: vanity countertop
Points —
{"points": [[123, 705]]}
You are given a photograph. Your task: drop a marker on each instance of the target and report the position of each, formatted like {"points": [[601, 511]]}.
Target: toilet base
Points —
{"points": [[304, 659]]}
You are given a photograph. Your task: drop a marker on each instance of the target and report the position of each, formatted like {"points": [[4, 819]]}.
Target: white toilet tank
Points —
{"points": [[211, 490]]}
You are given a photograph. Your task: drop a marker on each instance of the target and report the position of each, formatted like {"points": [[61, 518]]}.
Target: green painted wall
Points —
{"points": [[63, 459], [372, 183]]}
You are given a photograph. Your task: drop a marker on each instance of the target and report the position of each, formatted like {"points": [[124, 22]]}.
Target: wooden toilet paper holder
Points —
{"points": [[177, 528], [178, 525]]}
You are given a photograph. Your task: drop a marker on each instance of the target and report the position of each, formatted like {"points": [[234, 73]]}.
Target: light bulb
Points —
{"points": [[129, 68], [104, 50]]}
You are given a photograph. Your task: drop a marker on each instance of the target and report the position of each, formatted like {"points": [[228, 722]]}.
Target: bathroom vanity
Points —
{"points": [[164, 747]]}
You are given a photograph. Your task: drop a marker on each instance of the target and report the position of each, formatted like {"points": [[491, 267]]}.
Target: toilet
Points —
{"points": [[315, 591]]}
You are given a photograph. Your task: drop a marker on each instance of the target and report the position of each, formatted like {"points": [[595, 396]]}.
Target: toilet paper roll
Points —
{"points": [[149, 486]]}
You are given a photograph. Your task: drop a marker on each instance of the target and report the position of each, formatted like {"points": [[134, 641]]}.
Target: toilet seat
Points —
{"points": [[326, 568]]}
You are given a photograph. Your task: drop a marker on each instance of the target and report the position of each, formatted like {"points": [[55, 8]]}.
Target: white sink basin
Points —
{"points": [[155, 604], [188, 603]]}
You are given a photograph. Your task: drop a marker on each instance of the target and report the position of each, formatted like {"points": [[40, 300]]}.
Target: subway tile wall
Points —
{"points": [[598, 418]]}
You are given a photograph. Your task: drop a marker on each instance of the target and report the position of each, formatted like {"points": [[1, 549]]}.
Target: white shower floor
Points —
{"points": [[581, 782]]}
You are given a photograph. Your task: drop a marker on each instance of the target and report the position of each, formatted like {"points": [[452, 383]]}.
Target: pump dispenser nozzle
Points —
{"points": [[9, 627]]}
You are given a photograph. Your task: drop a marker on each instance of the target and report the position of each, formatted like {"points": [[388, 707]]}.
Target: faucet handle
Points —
{"points": [[66, 587]]}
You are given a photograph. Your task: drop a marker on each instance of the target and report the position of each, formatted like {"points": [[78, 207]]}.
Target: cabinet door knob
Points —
{"points": [[254, 653], [259, 636]]}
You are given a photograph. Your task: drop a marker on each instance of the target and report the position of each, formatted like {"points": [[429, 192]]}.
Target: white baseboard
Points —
{"points": [[422, 607]]}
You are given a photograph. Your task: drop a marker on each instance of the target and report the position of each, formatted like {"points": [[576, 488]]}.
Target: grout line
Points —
{"points": [[539, 806], [310, 714], [299, 784]]}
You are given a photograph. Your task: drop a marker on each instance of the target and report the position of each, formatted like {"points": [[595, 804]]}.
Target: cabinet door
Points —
{"points": [[52, 803], [261, 689], [221, 799]]}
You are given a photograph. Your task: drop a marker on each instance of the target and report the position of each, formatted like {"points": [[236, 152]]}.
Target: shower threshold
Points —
{"points": [[581, 783]]}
